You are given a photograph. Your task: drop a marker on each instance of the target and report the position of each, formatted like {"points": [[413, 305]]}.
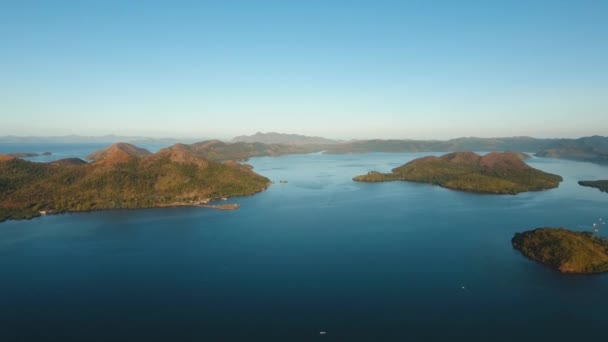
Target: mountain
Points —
{"points": [[564, 250], [591, 149], [521, 144], [221, 151], [121, 176], [120, 151], [496, 173], [282, 138]]}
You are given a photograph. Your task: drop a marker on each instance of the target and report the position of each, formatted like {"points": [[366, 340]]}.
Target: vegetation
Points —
{"points": [[220, 151], [564, 250], [600, 184], [274, 144], [592, 149], [496, 173], [521, 155], [123, 177], [460, 144]]}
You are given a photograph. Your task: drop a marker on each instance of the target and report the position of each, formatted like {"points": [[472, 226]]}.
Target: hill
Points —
{"points": [[591, 149], [496, 173], [119, 150], [521, 144], [6, 157], [121, 176], [564, 250], [282, 138], [220, 151], [68, 161]]}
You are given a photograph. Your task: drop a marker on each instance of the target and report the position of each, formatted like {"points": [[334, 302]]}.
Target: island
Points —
{"points": [[29, 154], [121, 176], [493, 173], [602, 185], [564, 250]]}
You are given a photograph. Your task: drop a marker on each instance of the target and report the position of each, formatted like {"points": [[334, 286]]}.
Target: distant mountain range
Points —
{"points": [[591, 149], [282, 138], [12, 139]]}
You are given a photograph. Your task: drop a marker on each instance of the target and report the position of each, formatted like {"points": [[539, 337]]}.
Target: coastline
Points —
{"points": [[228, 206]]}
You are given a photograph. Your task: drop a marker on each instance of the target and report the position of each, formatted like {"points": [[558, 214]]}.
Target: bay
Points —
{"points": [[361, 262]]}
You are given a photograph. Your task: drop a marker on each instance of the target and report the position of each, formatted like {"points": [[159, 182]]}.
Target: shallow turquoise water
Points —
{"points": [[363, 262]]}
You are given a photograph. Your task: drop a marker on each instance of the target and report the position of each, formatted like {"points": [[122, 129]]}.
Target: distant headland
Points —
{"points": [[602, 185], [564, 250], [493, 173]]}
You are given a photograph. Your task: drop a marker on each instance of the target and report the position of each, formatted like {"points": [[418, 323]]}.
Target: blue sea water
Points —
{"points": [[362, 262], [61, 150]]}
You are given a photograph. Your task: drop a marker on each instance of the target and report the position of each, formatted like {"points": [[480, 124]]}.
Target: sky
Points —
{"points": [[338, 69]]}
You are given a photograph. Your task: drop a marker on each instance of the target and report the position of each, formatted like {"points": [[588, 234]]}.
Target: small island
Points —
{"points": [[493, 173], [29, 154], [564, 250], [602, 185], [121, 176]]}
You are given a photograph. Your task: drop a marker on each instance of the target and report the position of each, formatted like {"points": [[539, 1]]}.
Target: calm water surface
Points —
{"points": [[362, 262]]}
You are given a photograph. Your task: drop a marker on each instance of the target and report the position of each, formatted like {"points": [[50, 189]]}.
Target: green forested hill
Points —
{"points": [[122, 177], [564, 250], [221, 151], [498, 173]]}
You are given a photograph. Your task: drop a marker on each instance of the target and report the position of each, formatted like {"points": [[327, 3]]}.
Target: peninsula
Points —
{"points": [[564, 250], [493, 173], [121, 176], [602, 185]]}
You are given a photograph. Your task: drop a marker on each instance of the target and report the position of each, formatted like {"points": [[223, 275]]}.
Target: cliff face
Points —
{"points": [[498, 173], [121, 176]]}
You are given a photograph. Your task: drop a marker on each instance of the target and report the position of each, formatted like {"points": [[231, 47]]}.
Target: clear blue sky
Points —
{"points": [[344, 69]]}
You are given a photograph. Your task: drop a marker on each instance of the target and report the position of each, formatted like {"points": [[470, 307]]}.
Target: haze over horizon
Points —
{"points": [[340, 69]]}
